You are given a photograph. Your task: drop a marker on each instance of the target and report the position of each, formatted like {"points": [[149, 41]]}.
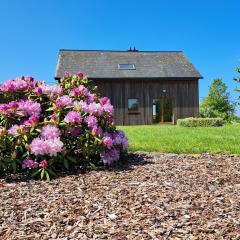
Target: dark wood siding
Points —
{"points": [[183, 92]]}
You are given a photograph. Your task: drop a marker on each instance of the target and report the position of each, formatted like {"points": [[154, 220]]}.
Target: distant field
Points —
{"points": [[175, 139]]}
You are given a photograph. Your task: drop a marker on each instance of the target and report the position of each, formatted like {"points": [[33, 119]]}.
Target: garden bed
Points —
{"points": [[151, 196]]}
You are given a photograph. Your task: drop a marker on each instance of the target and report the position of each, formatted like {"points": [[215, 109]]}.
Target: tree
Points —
{"points": [[237, 79], [217, 103]]}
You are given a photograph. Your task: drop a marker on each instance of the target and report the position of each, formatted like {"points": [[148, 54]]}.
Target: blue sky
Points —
{"points": [[32, 32]]}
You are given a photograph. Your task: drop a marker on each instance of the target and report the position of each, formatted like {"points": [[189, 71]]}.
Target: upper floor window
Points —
{"points": [[126, 66]]}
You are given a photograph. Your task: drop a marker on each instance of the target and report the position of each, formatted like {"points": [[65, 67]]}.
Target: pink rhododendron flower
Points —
{"points": [[81, 90], [51, 147], [29, 163], [28, 107], [20, 84], [97, 131], [4, 109], [43, 164], [38, 90], [39, 147], [91, 121], [54, 89], [110, 156], [80, 74], [73, 117], [32, 121], [16, 130], [81, 106], [13, 105], [66, 74], [90, 97], [95, 109], [14, 85], [50, 131], [108, 142], [63, 101], [104, 100]]}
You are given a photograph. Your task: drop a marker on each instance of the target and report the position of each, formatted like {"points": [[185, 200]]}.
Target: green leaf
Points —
{"points": [[49, 109], [42, 173], [66, 163], [51, 172], [47, 176], [38, 171], [14, 166], [72, 159], [25, 138], [93, 166]]}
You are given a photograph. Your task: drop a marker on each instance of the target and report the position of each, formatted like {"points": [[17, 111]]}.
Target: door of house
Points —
{"points": [[162, 110]]}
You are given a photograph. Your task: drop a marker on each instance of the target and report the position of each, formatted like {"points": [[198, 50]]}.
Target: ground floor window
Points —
{"points": [[133, 105]]}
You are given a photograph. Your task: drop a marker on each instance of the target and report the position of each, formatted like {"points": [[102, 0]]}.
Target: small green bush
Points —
{"points": [[200, 122]]}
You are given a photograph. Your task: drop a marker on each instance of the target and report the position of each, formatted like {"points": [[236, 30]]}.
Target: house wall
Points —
{"points": [[183, 92]]}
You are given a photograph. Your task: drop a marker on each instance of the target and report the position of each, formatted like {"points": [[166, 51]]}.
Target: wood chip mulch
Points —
{"points": [[151, 196]]}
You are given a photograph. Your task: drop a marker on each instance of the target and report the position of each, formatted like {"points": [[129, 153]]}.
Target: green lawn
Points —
{"points": [[175, 139]]}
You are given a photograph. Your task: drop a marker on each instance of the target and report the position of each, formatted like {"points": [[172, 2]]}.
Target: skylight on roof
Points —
{"points": [[126, 66]]}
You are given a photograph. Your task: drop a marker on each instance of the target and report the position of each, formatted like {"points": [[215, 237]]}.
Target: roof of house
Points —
{"points": [[105, 64]]}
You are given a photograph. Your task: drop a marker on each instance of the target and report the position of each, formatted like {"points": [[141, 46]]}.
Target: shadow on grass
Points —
{"points": [[126, 163]]}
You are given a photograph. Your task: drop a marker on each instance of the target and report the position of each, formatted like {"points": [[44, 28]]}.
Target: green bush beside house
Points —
{"points": [[200, 122]]}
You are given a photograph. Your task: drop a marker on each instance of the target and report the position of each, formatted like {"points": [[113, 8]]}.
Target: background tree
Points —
{"points": [[217, 103], [237, 79]]}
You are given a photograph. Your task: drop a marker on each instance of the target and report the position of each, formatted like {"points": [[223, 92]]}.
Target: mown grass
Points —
{"points": [[175, 139]]}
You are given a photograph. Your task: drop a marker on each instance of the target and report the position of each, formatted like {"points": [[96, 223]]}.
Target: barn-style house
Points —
{"points": [[145, 87]]}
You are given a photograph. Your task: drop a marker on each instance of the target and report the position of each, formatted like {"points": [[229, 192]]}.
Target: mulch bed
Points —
{"points": [[151, 196]]}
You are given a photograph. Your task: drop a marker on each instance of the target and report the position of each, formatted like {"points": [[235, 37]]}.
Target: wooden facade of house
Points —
{"points": [[152, 87]]}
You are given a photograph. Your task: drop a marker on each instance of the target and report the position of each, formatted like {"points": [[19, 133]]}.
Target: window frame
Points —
{"points": [[120, 68]]}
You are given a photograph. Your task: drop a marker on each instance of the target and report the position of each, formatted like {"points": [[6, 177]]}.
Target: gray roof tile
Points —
{"points": [[104, 64]]}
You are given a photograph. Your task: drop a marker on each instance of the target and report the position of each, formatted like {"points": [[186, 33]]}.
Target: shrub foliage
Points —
{"points": [[44, 129], [200, 122]]}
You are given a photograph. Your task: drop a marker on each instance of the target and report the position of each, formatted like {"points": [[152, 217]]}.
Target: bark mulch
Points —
{"points": [[151, 196]]}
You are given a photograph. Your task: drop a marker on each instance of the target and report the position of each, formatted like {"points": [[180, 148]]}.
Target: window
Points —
{"points": [[126, 66], [133, 105]]}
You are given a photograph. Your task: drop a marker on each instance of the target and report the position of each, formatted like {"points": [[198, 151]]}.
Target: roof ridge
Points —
{"points": [[88, 50]]}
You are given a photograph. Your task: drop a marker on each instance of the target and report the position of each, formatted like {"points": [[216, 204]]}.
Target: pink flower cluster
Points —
{"points": [[73, 117], [82, 92], [29, 163], [115, 143], [94, 108], [27, 112], [48, 143], [28, 108], [51, 146], [20, 84], [63, 101], [21, 108], [46, 89], [50, 131], [16, 129]]}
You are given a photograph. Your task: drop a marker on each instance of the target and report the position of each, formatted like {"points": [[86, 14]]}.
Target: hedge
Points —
{"points": [[200, 122]]}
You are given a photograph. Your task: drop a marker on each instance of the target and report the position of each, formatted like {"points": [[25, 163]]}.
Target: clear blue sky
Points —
{"points": [[32, 32]]}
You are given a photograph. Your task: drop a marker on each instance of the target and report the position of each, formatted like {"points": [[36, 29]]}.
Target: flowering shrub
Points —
{"points": [[45, 128]]}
